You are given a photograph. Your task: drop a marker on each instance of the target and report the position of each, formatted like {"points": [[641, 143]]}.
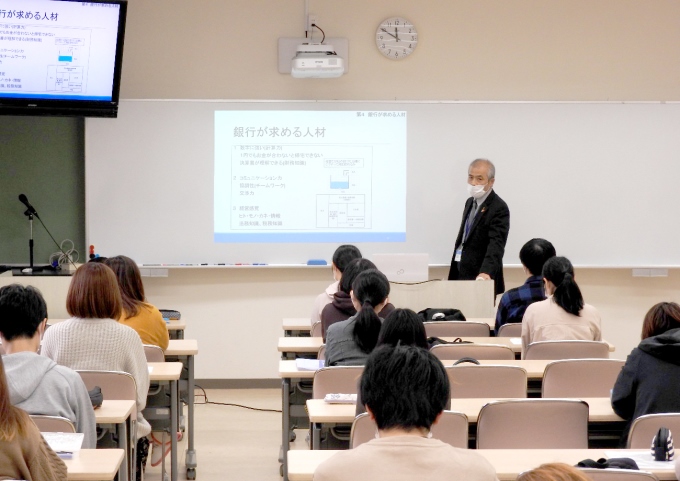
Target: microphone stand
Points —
{"points": [[29, 214]]}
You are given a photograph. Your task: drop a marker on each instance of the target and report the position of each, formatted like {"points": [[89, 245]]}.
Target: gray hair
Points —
{"points": [[489, 165]]}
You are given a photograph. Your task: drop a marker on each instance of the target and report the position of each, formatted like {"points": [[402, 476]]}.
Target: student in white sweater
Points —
{"points": [[94, 339]]}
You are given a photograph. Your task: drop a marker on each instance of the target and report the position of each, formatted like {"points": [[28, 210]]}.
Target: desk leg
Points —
{"points": [[174, 386], [126, 470], [190, 459], [285, 426], [316, 436]]}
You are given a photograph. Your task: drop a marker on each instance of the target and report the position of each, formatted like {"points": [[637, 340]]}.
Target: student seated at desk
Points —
{"points": [[563, 315], [24, 454], [94, 339], [39, 385], [342, 307], [137, 313], [648, 382], [403, 327], [514, 302], [342, 256], [348, 343], [405, 389]]}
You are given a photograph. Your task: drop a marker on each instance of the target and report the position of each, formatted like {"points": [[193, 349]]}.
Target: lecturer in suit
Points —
{"points": [[478, 253]]}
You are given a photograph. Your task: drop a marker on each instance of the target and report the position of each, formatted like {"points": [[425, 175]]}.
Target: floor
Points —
{"points": [[234, 443]]}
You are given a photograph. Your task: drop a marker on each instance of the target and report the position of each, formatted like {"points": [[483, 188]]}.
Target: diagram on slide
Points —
{"points": [[68, 74]]}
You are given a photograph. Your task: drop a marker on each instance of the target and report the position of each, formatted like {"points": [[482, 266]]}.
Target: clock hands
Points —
{"points": [[388, 33], [396, 33]]}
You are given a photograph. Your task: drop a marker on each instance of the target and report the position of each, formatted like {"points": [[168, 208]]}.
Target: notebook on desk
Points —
{"points": [[403, 267]]}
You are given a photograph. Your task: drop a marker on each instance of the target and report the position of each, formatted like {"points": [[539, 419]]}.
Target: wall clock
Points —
{"points": [[396, 38]]}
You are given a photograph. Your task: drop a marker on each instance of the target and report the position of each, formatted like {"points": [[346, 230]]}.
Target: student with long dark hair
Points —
{"points": [[137, 313], [342, 256], [348, 343], [342, 307], [563, 315]]}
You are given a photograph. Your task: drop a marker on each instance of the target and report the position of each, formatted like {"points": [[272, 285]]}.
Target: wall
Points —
{"points": [[469, 50], [42, 158]]}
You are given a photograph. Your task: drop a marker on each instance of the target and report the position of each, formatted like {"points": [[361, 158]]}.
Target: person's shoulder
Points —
{"points": [[334, 467], [538, 306], [67, 374], [590, 311], [476, 465]]}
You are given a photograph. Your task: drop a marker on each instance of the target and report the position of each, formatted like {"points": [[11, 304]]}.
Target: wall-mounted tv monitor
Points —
{"points": [[61, 57]]}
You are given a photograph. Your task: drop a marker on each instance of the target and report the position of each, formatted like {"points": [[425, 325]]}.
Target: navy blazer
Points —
{"points": [[483, 251]]}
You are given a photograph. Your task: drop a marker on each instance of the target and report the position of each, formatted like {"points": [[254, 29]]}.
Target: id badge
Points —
{"points": [[458, 255]]}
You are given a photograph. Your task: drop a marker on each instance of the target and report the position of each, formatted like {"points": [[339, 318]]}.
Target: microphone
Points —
{"points": [[24, 200]]}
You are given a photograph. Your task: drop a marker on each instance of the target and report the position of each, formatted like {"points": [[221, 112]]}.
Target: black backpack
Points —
{"points": [[431, 314]]}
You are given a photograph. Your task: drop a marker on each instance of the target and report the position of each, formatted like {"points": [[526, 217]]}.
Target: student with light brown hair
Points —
{"points": [[24, 454], [94, 339], [137, 313], [553, 472]]}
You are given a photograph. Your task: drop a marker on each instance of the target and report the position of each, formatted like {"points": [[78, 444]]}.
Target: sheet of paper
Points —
{"points": [[644, 460], [517, 341], [150, 369], [309, 364], [64, 442]]}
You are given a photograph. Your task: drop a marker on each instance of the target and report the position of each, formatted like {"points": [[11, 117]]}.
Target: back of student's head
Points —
{"points": [[405, 327], [553, 472], [567, 295], [535, 253], [404, 386], [370, 289], [345, 254], [353, 269], [129, 281], [13, 421], [662, 317], [94, 293], [22, 309]]}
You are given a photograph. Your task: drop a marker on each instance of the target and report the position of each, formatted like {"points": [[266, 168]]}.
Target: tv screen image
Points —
{"points": [[61, 57]]}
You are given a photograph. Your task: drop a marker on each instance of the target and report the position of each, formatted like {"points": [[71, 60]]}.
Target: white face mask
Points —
{"points": [[476, 191]]}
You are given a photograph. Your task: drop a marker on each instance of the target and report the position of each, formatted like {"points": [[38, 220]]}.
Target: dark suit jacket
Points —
{"points": [[485, 245]]}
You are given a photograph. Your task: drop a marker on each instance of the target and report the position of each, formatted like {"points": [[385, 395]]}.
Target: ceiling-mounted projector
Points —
{"points": [[316, 60]]}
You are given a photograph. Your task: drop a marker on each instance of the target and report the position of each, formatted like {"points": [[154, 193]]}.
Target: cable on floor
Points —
{"points": [[205, 396]]}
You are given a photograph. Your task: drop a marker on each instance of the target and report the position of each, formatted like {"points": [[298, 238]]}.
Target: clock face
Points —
{"points": [[396, 38]]}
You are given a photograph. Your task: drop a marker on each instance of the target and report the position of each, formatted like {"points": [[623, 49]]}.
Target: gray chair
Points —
{"points": [[471, 381], [452, 428], [543, 423], [644, 428], [549, 350], [453, 352], [512, 329], [53, 424], [579, 378], [315, 331], [456, 329]]}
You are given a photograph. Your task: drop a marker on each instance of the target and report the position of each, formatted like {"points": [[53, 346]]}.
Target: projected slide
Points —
{"points": [[309, 176], [60, 50]]}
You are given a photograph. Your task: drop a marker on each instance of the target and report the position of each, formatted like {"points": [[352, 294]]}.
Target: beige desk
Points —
{"points": [[600, 410], [118, 414], [114, 411], [176, 329], [293, 325], [184, 350], [507, 462], [94, 464], [165, 371], [534, 368]]}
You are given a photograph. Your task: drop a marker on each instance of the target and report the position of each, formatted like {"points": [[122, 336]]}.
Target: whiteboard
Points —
{"points": [[596, 179]]}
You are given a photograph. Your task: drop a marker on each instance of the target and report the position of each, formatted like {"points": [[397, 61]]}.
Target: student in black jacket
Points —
{"points": [[650, 380]]}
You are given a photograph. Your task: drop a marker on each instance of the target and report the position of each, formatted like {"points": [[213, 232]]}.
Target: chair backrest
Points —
{"points": [[618, 474], [315, 331], [645, 428], [456, 329], [53, 424], [153, 353], [544, 423], [338, 379], [512, 329], [115, 385], [452, 428], [2, 350], [471, 381], [567, 350], [579, 378], [321, 355], [452, 352]]}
